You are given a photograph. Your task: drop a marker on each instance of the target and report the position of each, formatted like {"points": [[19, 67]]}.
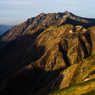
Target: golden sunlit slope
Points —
{"points": [[82, 82], [48, 54], [46, 59]]}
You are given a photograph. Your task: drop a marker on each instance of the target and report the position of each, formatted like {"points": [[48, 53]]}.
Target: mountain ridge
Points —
{"points": [[40, 57], [43, 20]]}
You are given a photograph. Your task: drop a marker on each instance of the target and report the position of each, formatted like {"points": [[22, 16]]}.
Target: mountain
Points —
{"points": [[43, 19], [49, 54], [4, 28]]}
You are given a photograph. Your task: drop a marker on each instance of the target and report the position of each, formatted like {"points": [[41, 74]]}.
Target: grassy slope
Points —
{"points": [[84, 81], [77, 89]]}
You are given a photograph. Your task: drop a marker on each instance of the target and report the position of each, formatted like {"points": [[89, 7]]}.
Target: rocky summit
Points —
{"points": [[50, 54]]}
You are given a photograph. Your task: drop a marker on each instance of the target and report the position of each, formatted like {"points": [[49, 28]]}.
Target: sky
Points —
{"points": [[13, 12]]}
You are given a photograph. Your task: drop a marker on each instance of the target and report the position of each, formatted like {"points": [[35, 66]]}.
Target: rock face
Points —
{"points": [[45, 54]]}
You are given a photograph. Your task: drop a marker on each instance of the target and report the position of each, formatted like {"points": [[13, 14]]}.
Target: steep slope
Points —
{"points": [[44, 20], [49, 51], [45, 54], [82, 81]]}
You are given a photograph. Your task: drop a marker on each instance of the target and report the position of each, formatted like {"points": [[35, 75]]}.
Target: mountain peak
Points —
{"points": [[66, 12], [69, 13], [41, 14]]}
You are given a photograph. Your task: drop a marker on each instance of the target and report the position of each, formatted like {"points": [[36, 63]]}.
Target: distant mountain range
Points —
{"points": [[51, 54], [4, 28]]}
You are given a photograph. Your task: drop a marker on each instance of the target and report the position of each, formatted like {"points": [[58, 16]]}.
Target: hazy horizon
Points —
{"points": [[14, 12]]}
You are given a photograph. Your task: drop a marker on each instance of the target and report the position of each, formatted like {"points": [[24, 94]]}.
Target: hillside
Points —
{"points": [[49, 54]]}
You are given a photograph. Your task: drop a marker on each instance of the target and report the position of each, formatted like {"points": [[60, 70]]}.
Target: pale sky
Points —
{"points": [[17, 11]]}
